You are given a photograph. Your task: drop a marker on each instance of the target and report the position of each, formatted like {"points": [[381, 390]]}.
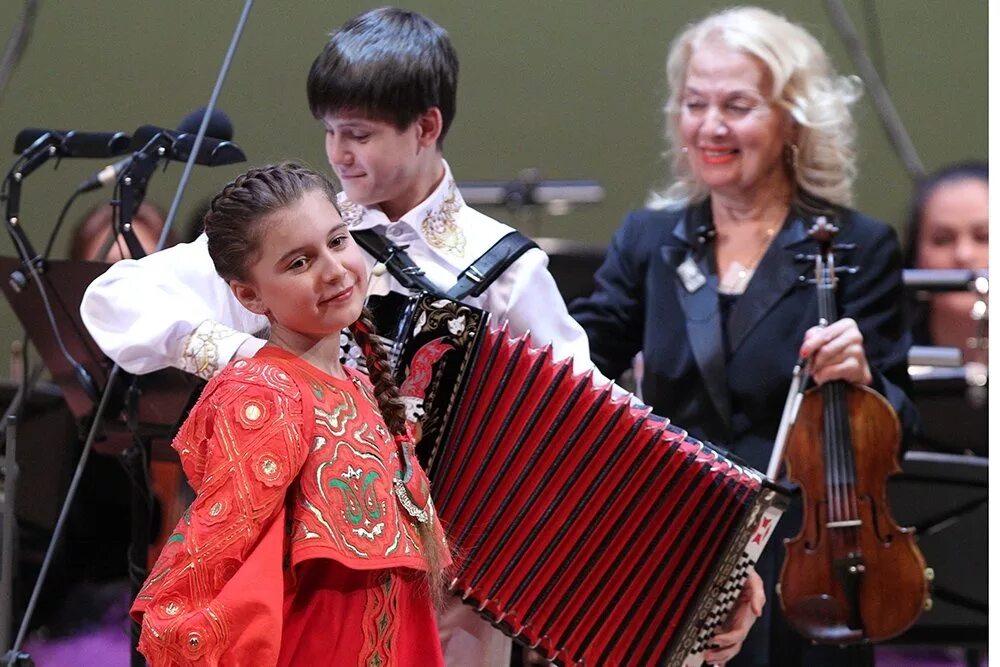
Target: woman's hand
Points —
{"points": [[837, 352], [748, 607]]}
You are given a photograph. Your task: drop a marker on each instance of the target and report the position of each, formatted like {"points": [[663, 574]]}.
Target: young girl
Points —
{"points": [[312, 540]]}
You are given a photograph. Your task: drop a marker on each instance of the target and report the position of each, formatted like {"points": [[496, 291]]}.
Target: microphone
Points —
{"points": [[72, 143], [173, 145], [219, 127]]}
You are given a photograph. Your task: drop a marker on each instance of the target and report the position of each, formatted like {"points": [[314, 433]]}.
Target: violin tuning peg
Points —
{"points": [[805, 257], [844, 246]]}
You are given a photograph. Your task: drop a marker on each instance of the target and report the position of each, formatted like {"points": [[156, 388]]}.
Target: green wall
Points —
{"points": [[572, 88]]}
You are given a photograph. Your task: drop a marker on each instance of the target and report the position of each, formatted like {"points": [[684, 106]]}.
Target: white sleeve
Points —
{"points": [[527, 297], [168, 309]]}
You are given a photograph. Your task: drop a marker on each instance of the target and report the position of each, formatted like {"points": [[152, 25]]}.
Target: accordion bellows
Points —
{"points": [[581, 524]]}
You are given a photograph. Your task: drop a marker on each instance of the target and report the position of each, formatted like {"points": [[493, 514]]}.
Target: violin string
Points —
{"points": [[838, 456], [831, 417], [831, 435]]}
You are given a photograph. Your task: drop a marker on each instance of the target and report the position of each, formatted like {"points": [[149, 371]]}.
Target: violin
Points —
{"points": [[851, 575]]}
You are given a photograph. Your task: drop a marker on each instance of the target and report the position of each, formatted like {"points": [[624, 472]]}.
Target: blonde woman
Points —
{"points": [[707, 282]]}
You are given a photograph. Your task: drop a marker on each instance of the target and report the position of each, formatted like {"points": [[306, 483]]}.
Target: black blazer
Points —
{"points": [[641, 304]]}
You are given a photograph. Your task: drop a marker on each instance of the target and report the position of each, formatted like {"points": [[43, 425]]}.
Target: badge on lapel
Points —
{"points": [[691, 276]]}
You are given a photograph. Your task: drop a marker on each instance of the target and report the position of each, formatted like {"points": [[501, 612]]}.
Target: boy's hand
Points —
{"points": [[748, 607], [534, 658]]}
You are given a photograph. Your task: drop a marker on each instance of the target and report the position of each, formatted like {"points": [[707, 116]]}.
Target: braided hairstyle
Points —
{"points": [[234, 226], [234, 216], [394, 415]]}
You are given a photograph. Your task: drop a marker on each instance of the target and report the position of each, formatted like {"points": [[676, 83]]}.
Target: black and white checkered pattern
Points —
{"points": [[728, 593]]}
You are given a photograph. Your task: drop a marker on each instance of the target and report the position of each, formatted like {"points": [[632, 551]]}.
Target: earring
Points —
{"points": [[684, 149], [792, 156]]}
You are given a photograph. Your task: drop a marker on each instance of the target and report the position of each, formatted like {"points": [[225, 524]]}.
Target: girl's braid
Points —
{"points": [[394, 414], [386, 391]]}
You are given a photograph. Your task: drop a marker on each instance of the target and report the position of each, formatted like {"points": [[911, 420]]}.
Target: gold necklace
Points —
{"points": [[738, 275]]}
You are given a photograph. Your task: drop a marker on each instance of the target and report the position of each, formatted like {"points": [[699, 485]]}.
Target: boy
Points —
{"points": [[384, 88]]}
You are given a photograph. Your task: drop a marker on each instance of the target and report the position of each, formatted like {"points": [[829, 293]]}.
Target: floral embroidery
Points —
{"points": [[350, 212], [336, 417], [217, 511], [201, 349], [439, 228]]}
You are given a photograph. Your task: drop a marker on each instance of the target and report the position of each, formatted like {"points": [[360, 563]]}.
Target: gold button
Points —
{"points": [[252, 412], [216, 509], [172, 608]]}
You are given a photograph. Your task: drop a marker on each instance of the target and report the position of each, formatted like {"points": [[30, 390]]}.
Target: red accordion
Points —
{"points": [[583, 526]]}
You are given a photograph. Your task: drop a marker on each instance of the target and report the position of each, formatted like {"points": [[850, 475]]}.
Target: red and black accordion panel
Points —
{"points": [[583, 525]]}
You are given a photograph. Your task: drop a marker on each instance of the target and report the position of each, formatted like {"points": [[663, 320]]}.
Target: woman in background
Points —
{"points": [[707, 281], [949, 229]]}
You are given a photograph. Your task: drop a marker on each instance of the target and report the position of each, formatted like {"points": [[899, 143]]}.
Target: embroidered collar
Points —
{"points": [[435, 219]]}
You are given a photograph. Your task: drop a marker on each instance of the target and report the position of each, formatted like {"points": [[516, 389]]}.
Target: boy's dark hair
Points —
{"points": [[390, 64]]}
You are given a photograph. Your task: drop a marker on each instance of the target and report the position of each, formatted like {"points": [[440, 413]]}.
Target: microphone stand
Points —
{"points": [[10, 471], [14, 656], [524, 194], [132, 182], [44, 148]]}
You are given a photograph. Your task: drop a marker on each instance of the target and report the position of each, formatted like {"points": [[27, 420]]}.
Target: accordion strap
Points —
{"points": [[396, 261], [473, 281]]}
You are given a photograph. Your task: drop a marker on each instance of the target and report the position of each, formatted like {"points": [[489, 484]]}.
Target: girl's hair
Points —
{"points": [[803, 83], [394, 413], [233, 219], [233, 224]]}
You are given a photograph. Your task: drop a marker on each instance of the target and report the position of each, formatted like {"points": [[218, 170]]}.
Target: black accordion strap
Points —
{"points": [[490, 265], [396, 261], [473, 281]]}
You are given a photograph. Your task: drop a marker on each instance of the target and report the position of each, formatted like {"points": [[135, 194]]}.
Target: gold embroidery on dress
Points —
{"points": [[340, 413], [381, 619], [439, 226]]}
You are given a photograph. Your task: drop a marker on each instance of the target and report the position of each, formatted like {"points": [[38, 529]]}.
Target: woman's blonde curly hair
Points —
{"points": [[804, 84]]}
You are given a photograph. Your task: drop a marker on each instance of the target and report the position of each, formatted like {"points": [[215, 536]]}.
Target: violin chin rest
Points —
{"points": [[823, 619]]}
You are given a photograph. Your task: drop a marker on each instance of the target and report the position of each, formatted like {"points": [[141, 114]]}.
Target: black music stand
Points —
{"points": [[945, 498], [145, 411], [165, 395], [954, 416]]}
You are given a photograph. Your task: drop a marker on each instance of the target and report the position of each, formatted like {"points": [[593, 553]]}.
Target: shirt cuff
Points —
{"points": [[212, 345]]}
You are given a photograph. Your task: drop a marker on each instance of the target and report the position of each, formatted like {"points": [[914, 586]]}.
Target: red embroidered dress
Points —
{"points": [[296, 550]]}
